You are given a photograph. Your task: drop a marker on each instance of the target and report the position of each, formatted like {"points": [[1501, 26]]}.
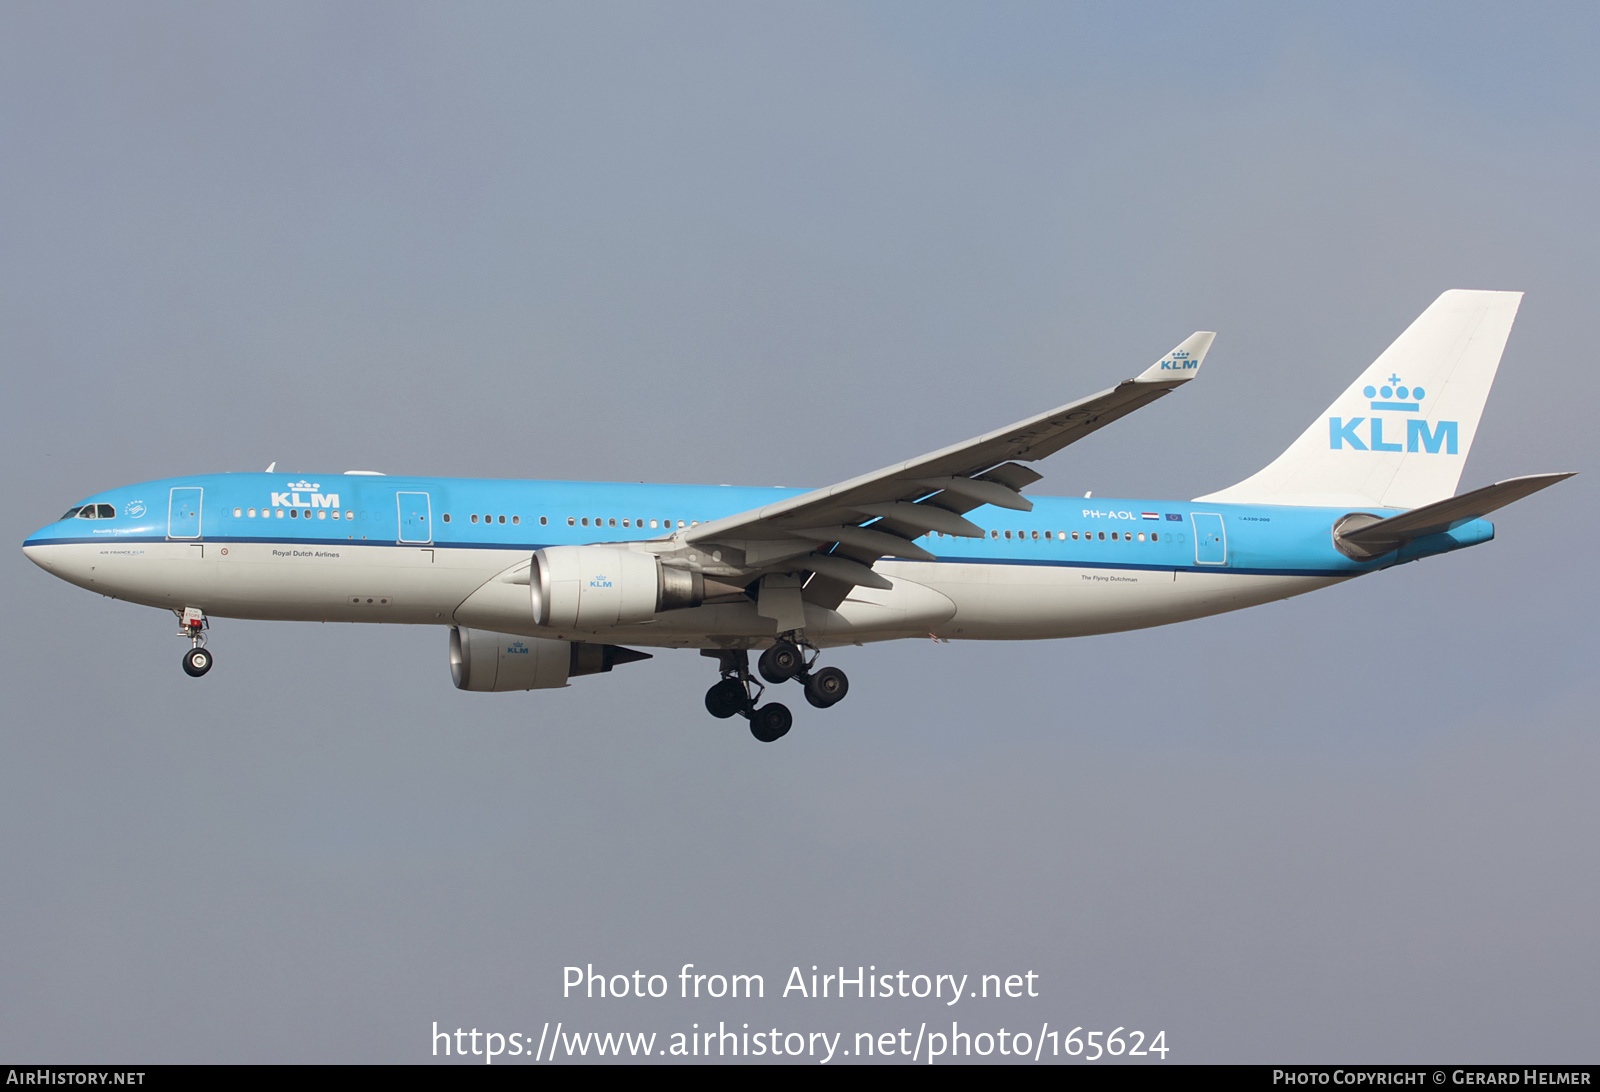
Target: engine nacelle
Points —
{"points": [[483, 660], [487, 661], [592, 587]]}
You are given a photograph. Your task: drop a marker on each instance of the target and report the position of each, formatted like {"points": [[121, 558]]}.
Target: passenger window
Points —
{"points": [[294, 513], [335, 513], [516, 519], [322, 513], [624, 523], [586, 521], [569, 521], [237, 512], [446, 516], [1036, 534], [349, 515], [1102, 536], [1008, 534], [474, 517], [1141, 536], [278, 512], [252, 513], [502, 519]]}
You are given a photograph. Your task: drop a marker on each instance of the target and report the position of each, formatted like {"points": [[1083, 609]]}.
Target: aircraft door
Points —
{"points": [[183, 512], [1210, 540], [416, 517]]}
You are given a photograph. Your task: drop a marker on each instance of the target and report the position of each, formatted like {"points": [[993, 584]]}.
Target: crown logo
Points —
{"points": [[303, 484], [1395, 395]]}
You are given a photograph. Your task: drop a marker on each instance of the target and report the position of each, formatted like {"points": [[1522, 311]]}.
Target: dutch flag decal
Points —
{"points": [[1151, 515]]}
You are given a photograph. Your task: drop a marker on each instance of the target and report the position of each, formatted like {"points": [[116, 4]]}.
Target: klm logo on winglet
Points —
{"points": [[1179, 362], [1420, 436]]}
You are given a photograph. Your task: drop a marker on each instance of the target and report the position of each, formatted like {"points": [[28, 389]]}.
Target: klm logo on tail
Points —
{"points": [[1420, 436], [1180, 362]]}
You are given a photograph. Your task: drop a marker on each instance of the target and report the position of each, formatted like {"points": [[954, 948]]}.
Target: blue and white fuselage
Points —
{"points": [[540, 581], [423, 550]]}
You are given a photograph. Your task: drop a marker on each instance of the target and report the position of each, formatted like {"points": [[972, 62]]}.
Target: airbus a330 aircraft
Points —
{"points": [[542, 581]]}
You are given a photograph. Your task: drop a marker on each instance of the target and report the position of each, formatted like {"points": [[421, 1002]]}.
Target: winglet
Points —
{"points": [[1183, 363]]}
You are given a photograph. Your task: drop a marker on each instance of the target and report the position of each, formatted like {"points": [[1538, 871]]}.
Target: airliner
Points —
{"points": [[539, 582]]}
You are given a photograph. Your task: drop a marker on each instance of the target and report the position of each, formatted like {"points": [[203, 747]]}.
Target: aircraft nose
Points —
{"points": [[41, 555]]}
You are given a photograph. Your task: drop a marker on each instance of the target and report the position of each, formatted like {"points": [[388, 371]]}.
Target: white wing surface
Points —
{"points": [[836, 533]]}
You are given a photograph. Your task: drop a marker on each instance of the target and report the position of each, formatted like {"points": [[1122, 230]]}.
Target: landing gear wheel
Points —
{"points": [[726, 699], [780, 663], [196, 662], [826, 687], [771, 722]]}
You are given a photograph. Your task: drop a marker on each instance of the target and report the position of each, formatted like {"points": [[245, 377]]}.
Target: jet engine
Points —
{"points": [[591, 587], [487, 661]]}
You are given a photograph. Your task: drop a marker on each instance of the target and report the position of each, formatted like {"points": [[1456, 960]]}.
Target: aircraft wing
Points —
{"points": [[839, 531]]}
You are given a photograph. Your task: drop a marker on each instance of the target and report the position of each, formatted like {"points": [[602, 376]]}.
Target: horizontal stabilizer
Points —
{"points": [[1371, 539]]}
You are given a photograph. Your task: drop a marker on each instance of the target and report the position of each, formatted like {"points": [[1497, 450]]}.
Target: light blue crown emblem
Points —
{"points": [[1395, 395]]}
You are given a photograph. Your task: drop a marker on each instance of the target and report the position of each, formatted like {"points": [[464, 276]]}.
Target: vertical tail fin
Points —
{"points": [[1398, 437]]}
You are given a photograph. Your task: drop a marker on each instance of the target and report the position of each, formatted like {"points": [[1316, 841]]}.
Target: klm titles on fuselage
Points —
{"points": [[1421, 437], [294, 500]]}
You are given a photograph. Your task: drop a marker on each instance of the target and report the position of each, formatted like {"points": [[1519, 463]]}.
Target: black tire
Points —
{"points": [[726, 699], [771, 722], [827, 687], [196, 662], [780, 663]]}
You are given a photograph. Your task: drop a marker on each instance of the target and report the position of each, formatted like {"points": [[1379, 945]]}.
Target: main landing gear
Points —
{"points": [[738, 692], [192, 623], [786, 660]]}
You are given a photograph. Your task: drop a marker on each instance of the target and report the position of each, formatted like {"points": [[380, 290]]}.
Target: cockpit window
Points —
{"points": [[91, 511]]}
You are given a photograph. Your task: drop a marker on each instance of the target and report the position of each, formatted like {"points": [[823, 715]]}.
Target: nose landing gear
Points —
{"points": [[192, 623]]}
